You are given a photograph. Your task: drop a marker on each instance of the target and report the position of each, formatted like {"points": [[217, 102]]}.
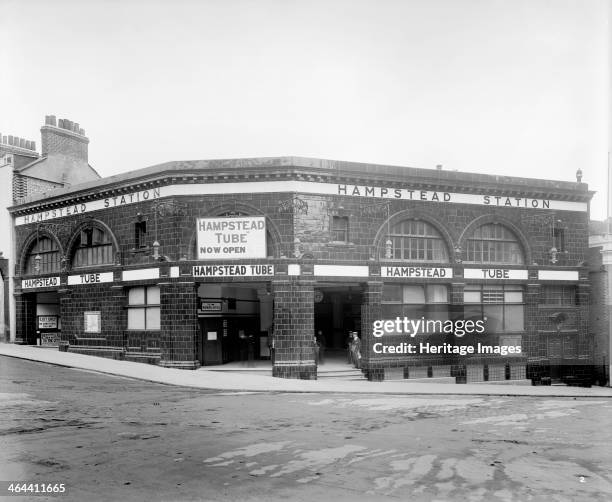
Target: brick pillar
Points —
{"points": [[585, 342], [179, 324], [534, 344], [371, 311], [25, 310], [456, 310], [65, 301], [294, 329]]}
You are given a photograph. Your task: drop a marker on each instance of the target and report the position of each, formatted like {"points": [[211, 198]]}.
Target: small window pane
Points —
{"points": [[153, 295], [494, 315], [414, 294], [515, 318], [136, 318], [471, 296], [492, 296], [153, 318], [472, 312], [391, 310], [438, 312], [136, 296], [514, 297], [392, 293], [437, 293], [415, 311]]}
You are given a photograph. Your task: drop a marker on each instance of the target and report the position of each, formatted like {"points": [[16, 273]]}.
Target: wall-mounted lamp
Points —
{"points": [[458, 252], [388, 249], [156, 246], [553, 254], [296, 248]]}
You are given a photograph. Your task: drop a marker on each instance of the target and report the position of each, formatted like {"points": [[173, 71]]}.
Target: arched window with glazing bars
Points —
{"points": [[415, 240], [494, 243], [43, 257]]}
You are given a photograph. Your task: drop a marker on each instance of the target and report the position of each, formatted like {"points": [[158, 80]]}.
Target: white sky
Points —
{"points": [[517, 87]]}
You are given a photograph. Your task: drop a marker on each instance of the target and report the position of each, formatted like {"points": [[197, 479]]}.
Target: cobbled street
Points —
{"points": [[111, 438]]}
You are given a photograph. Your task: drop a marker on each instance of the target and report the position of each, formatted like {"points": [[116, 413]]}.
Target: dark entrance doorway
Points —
{"points": [[337, 310], [234, 320], [42, 320]]}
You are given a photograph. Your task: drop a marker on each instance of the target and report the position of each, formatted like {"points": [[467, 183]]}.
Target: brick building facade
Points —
{"points": [[24, 173], [193, 263]]}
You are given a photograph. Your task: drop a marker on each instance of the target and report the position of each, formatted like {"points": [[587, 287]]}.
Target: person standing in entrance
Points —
{"points": [[356, 350], [320, 339], [271, 343], [315, 347], [251, 350], [243, 346], [349, 348]]}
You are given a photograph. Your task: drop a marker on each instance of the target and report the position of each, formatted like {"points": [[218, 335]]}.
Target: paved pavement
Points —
{"points": [[206, 378], [109, 438]]}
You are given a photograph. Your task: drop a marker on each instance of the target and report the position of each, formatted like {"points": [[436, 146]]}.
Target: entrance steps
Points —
{"points": [[348, 373], [331, 370]]}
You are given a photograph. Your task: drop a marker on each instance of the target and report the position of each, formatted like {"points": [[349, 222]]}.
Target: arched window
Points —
{"points": [[494, 243], [93, 247], [47, 251], [415, 240]]}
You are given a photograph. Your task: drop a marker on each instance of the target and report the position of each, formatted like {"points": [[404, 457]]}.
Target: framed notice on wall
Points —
{"points": [[49, 339], [47, 322], [92, 322]]}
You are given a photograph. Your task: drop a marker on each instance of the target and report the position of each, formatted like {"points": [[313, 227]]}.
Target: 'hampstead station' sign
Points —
{"points": [[296, 186], [220, 238]]}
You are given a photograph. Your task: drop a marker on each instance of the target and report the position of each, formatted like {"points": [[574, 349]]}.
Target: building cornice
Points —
{"points": [[246, 170]]}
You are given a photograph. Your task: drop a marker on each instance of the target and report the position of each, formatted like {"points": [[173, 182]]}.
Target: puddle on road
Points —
{"points": [[449, 477], [10, 399], [250, 451], [553, 408], [392, 403], [560, 476]]}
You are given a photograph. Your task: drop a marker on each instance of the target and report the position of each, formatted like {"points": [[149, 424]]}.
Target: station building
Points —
{"points": [[193, 263]]}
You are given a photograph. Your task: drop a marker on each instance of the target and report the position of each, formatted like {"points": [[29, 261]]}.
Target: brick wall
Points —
{"points": [[367, 221], [109, 300], [57, 140]]}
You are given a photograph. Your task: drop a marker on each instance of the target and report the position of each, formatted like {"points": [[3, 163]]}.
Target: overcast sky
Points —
{"points": [[516, 87]]}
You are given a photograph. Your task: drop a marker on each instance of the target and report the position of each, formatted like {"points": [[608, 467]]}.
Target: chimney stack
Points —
{"points": [[66, 139], [15, 144]]}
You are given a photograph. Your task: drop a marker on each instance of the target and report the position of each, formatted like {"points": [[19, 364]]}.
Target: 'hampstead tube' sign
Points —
{"points": [[221, 238]]}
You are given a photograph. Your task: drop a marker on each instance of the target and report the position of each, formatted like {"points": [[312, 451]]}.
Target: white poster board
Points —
{"points": [[47, 322], [92, 322], [236, 237]]}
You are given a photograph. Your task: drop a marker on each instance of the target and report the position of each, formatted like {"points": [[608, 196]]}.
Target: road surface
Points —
{"points": [[111, 438]]}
